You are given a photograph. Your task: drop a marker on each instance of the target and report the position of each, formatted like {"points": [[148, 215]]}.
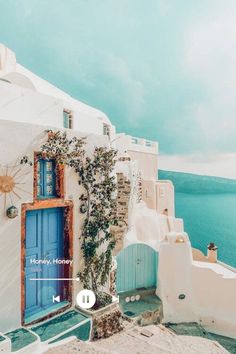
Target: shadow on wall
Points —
{"points": [[150, 227]]}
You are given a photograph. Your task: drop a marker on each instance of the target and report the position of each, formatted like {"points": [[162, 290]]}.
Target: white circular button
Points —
{"points": [[86, 299]]}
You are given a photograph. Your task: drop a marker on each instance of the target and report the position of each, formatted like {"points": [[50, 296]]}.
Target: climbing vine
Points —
{"points": [[95, 175]]}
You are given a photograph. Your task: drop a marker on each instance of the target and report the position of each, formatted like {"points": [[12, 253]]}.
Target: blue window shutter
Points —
{"points": [[46, 178]]}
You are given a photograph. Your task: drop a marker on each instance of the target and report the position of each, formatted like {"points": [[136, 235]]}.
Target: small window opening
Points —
{"points": [[106, 130], [67, 119]]}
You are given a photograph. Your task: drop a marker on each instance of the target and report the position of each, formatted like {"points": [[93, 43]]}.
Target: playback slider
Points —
{"points": [[58, 279]]}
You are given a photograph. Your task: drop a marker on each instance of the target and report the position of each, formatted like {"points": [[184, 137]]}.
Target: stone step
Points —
{"points": [[65, 325], [22, 341], [37, 338], [146, 310]]}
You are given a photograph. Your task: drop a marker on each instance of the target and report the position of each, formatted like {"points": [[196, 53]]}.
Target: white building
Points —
{"points": [[28, 106]]}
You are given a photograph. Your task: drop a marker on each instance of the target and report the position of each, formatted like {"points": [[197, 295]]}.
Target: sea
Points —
{"points": [[210, 218], [208, 207]]}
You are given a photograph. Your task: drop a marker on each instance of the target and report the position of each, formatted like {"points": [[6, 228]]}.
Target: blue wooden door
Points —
{"points": [[44, 241], [136, 268], [32, 251]]}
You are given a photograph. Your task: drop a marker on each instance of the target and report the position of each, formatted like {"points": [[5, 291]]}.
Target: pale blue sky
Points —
{"points": [[161, 69]]}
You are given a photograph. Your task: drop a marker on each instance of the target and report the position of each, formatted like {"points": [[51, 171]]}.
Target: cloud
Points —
{"points": [[165, 72], [112, 84], [220, 165], [210, 59]]}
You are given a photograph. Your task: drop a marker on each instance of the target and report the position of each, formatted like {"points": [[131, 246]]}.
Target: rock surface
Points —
{"points": [[107, 324]]}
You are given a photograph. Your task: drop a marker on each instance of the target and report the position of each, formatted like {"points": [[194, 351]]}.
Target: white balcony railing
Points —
{"points": [[129, 142]]}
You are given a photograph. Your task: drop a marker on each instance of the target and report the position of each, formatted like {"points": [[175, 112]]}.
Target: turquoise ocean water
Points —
{"points": [[210, 218], [208, 208]]}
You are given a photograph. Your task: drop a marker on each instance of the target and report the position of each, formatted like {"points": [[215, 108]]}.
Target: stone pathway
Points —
{"points": [[143, 340]]}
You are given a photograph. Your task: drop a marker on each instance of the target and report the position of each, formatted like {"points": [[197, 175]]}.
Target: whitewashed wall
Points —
{"points": [[25, 97], [165, 197], [147, 164], [209, 289], [145, 155], [17, 139], [24, 105]]}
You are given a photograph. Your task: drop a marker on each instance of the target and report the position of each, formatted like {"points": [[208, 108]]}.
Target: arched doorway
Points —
{"points": [[136, 268]]}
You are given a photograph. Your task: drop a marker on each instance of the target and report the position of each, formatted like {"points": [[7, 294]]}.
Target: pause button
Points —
{"points": [[86, 299]]}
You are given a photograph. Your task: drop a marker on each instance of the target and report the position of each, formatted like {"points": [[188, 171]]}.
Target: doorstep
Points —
{"points": [[34, 339], [52, 310], [69, 323]]}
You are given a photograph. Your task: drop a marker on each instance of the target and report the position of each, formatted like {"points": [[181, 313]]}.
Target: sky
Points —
{"points": [[160, 69]]}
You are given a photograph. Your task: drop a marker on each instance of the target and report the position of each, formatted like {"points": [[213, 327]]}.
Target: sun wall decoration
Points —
{"points": [[12, 179]]}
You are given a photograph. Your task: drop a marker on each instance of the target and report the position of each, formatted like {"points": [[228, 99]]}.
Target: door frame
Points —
{"points": [[67, 205]]}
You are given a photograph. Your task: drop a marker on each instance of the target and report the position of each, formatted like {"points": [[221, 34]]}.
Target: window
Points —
{"points": [[148, 143], [67, 119], [106, 130], [134, 140], [46, 178]]}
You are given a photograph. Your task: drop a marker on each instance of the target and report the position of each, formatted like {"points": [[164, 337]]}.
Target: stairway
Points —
{"points": [[38, 338], [63, 326]]}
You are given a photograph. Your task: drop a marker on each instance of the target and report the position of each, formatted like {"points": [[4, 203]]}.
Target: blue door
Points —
{"points": [[136, 268], [44, 242]]}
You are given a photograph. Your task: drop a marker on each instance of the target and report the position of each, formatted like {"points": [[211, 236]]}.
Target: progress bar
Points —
{"points": [[59, 279]]}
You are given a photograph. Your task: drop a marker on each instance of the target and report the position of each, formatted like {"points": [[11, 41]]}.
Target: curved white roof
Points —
{"points": [[19, 75]]}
